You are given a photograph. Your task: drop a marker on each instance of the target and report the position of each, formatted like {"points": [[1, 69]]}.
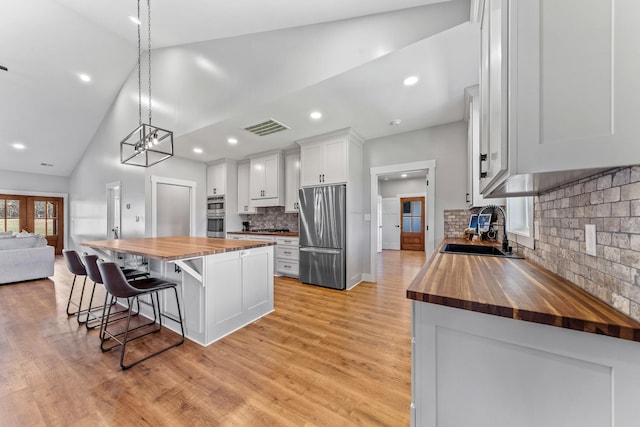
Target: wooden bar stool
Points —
{"points": [[118, 287]]}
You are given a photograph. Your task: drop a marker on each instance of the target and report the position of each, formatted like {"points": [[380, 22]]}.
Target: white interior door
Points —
{"points": [[379, 224], [391, 223], [174, 210], [113, 210]]}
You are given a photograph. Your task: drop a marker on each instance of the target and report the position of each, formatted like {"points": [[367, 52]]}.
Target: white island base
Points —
{"points": [[475, 370], [221, 293]]}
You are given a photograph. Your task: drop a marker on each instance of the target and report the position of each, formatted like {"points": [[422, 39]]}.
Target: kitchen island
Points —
{"points": [[500, 341], [224, 284]]}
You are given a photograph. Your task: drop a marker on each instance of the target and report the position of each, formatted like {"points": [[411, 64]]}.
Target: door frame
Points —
{"points": [[65, 199], [155, 180], [430, 167]]}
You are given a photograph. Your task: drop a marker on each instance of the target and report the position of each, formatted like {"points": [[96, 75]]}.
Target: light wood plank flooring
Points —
{"points": [[323, 358]]}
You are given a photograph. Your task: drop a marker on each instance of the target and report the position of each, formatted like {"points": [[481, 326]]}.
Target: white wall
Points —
{"points": [[446, 144], [401, 186], [16, 182], [100, 165]]}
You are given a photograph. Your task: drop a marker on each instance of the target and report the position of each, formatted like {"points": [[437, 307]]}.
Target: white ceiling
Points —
{"points": [[220, 66]]}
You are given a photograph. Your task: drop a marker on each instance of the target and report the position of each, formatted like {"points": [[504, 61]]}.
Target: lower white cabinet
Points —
{"points": [[476, 369], [287, 253], [244, 292]]}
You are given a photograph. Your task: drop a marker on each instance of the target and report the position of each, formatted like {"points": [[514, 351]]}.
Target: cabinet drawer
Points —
{"points": [[286, 267], [287, 252], [291, 241]]}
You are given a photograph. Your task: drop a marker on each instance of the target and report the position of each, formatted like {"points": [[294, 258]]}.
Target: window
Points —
{"points": [[10, 215], [412, 216], [45, 218], [520, 220]]}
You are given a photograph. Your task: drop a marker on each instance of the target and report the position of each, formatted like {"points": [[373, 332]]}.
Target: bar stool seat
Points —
{"points": [[117, 286]]}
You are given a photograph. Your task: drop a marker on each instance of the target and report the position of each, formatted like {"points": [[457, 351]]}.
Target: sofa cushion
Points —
{"points": [[33, 241]]}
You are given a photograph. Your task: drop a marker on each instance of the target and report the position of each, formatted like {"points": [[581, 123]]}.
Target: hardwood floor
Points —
{"points": [[323, 358]]}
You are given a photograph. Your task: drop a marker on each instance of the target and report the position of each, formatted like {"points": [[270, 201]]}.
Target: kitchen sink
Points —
{"points": [[462, 249]]}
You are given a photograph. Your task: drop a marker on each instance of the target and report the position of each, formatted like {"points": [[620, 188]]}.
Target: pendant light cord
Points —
{"points": [[149, 52], [139, 73]]}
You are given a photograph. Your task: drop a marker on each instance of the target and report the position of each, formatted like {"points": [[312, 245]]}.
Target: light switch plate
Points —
{"points": [[590, 238]]}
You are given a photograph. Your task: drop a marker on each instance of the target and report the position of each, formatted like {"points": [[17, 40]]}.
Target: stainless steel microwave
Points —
{"points": [[215, 205]]}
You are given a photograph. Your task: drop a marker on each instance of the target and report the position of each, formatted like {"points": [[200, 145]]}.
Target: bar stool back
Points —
{"points": [[76, 267], [118, 287]]}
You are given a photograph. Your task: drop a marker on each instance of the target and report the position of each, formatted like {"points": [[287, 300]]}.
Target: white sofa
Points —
{"points": [[25, 258]]}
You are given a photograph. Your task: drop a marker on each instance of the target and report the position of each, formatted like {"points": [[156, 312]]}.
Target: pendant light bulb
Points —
{"points": [[154, 138]]}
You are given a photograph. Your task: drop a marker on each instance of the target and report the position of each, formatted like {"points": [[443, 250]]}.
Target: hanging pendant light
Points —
{"points": [[147, 144]]}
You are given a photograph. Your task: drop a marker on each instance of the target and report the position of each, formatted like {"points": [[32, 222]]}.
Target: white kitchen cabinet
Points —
{"points": [[287, 256], [472, 116], [217, 179], [323, 162], [475, 369], [291, 181], [244, 205], [244, 291], [266, 180], [559, 95]]}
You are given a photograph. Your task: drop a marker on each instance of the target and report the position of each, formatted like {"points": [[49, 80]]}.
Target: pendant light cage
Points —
{"points": [[147, 144]]}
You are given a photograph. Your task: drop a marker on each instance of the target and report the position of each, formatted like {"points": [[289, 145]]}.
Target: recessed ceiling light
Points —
{"points": [[232, 141], [18, 146], [386, 179], [316, 115], [404, 175], [410, 81], [84, 77], [395, 122], [134, 19], [197, 150]]}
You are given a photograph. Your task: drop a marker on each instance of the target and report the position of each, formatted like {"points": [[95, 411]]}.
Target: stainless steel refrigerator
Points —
{"points": [[322, 236]]}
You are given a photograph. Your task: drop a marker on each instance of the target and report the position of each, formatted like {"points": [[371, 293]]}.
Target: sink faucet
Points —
{"points": [[505, 241]]}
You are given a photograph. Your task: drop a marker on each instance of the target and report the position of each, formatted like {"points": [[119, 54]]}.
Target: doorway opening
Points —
{"points": [[428, 168]]}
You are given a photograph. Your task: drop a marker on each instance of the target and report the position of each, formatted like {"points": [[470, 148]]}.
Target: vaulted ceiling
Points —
{"points": [[218, 67]]}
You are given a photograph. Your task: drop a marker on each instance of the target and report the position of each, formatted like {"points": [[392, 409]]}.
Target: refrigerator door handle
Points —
{"points": [[321, 250]]}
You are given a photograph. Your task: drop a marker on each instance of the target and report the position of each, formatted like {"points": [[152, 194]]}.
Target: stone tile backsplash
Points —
{"points": [[611, 201], [272, 217]]}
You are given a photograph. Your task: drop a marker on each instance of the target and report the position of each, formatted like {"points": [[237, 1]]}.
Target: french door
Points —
{"points": [[35, 214]]}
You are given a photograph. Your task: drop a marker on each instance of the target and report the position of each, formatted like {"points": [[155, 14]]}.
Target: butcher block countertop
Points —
{"points": [[518, 289], [174, 247]]}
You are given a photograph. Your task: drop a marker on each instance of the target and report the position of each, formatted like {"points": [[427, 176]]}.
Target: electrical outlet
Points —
{"points": [[590, 238]]}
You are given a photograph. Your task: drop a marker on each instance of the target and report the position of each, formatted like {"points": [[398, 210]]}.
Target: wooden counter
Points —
{"points": [[516, 289], [174, 247]]}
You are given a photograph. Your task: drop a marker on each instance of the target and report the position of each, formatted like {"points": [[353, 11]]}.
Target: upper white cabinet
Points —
{"points": [[244, 207], [266, 180], [472, 116], [217, 179], [323, 162], [291, 181], [559, 91]]}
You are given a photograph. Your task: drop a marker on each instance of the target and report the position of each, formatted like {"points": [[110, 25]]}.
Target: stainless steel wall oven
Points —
{"points": [[215, 225]]}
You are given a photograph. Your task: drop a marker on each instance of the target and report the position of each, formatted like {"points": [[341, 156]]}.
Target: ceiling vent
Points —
{"points": [[267, 127]]}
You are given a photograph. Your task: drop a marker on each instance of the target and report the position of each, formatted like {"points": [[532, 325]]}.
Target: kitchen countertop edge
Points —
{"points": [[631, 331]]}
